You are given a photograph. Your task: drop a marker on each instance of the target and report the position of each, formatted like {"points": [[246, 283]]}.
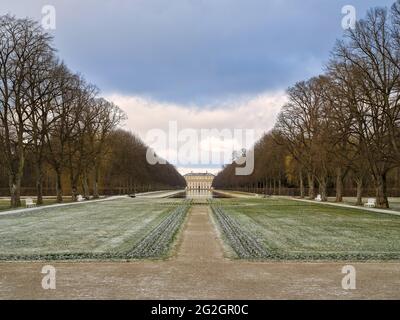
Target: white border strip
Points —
{"points": [[149, 195], [3, 213], [396, 213]]}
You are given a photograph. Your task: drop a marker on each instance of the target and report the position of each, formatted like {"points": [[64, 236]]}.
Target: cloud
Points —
{"points": [[257, 113], [186, 51]]}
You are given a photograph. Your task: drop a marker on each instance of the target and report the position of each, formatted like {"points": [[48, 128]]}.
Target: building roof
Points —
{"points": [[199, 174]]}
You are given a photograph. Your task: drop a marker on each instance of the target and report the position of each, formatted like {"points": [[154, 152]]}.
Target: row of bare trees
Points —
{"points": [[128, 168], [49, 115], [346, 122]]}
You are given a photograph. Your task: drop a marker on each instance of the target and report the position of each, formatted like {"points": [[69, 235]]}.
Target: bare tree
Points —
{"points": [[62, 131], [23, 48], [42, 93], [300, 126], [368, 52], [109, 116], [78, 152]]}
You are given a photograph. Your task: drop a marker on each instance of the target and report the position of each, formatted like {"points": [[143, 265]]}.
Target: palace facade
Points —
{"points": [[199, 181]]}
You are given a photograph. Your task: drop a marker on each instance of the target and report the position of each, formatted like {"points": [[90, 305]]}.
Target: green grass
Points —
{"points": [[294, 230], [102, 230]]}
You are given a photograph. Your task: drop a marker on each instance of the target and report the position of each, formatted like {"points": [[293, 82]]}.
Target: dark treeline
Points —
{"points": [[128, 170], [56, 134], [341, 128]]}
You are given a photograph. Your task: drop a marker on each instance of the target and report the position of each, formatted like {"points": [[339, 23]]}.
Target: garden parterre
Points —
{"points": [[284, 229], [102, 230]]}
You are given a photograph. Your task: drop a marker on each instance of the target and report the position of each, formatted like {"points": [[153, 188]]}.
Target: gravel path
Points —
{"points": [[199, 270]]}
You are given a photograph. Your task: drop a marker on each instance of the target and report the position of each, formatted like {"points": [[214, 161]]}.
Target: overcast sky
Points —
{"points": [[202, 63]]}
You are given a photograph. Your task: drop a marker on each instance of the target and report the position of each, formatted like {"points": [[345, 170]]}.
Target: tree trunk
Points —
{"points": [[74, 180], [15, 177], [39, 183], [39, 190], [381, 192], [274, 193], [279, 186], [301, 182], [322, 189], [96, 183], [339, 185], [15, 190], [359, 183], [311, 191], [59, 191], [74, 192], [96, 193], [85, 186]]}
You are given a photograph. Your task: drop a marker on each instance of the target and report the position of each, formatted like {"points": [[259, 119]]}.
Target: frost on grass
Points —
{"points": [[118, 229], [158, 242], [242, 241], [283, 229]]}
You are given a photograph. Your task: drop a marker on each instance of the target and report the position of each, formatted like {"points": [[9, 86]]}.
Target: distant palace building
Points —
{"points": [[199, 181]]}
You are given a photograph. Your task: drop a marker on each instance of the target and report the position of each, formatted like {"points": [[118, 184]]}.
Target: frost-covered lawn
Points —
{"points": [[286, 229], [109, 229]]}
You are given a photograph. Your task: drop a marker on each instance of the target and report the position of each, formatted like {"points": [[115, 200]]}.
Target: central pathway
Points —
{"points": [[200, 242], [198, 270]]}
